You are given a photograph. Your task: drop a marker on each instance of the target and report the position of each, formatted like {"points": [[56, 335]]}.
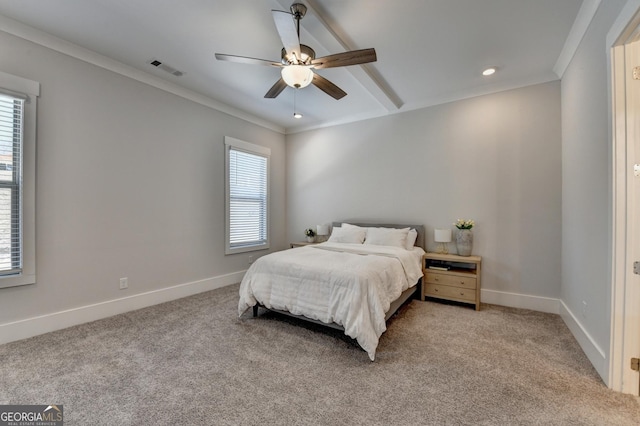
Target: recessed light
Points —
{"points": [[489, 71], [297, 115]]}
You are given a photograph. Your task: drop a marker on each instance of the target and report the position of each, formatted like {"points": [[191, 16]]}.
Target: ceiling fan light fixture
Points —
{"points": [[297, 76], [307, 55]]}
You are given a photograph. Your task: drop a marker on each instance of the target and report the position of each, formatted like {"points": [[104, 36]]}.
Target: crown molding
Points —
{"points": [[578, 29], [44, 39]]}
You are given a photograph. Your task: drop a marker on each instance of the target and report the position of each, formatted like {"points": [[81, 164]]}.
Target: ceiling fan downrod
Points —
{"points": [[298, 10]]}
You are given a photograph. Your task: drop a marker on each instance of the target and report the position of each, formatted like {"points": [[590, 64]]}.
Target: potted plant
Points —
{"points": [[310, 234], [464, 237]]}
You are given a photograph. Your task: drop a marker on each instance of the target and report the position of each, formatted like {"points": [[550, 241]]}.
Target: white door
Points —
{"points": [[625, 320], [632, 59], [625, 330]]}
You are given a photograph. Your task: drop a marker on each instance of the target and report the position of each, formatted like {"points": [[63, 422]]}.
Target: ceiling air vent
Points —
{"points": [[164, 67]]}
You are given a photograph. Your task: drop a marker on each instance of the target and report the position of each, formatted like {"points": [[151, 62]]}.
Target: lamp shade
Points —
{"points": [[442, 235], [322, 229], [297, 76]]}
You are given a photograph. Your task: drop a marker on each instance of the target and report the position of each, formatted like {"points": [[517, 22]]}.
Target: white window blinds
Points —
{"points": [[11, 134], [247, 196]]}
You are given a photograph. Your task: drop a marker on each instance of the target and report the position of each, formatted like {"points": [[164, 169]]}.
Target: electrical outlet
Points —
{"points": [[250, 260], [124, 283]]}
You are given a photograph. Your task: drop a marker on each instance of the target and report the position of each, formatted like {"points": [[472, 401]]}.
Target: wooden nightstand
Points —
{"points": [[452, 277], [301, 244]]}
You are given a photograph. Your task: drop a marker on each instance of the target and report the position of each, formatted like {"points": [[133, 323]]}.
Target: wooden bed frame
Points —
{"points": [[407, 295]]}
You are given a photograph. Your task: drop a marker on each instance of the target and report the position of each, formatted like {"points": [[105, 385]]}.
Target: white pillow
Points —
{"points": [[387, 237], [412, 236], [347, 235]]}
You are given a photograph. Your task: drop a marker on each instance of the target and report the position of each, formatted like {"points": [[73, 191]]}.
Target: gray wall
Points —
{"points": [[586, 182], [130, 183], [495, 159]]}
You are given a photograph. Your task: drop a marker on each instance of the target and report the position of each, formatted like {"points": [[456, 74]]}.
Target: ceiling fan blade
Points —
{"points": [[328, 87], [353, 57], [287, 31], [247, 60], [276, 89]]}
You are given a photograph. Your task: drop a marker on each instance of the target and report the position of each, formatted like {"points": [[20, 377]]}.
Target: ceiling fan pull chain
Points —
{"points": [[296, 114]]}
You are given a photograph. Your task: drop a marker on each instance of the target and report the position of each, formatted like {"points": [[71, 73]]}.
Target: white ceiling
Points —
{"points": [[429, 51]]}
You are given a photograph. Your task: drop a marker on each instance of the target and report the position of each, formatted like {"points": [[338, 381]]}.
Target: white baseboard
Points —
{"points": [[30, 327], [591, 349], [522, 301]]}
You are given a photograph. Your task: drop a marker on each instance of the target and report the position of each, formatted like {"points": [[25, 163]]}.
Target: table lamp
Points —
{"points": [[322, 231], [443, 238]]}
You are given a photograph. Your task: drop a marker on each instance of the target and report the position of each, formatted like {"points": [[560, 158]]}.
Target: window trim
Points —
{"points": [[250, 148], [18, 86]]}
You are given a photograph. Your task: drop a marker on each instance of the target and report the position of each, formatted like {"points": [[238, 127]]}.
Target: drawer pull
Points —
{"points": [[462, 282], [436, 279]]}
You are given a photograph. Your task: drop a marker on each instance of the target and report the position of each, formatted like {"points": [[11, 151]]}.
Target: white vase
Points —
{"points": [[311, 239], [464, 242]]}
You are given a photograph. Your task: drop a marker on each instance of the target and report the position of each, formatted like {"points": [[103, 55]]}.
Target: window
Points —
{"points": [[17, 180], [247, 196]]}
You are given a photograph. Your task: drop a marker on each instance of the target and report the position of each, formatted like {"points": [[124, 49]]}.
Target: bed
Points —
{"points": [[354, 282]]}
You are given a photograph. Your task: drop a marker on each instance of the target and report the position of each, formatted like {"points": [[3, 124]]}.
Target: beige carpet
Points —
{"points": [[193, 362]]}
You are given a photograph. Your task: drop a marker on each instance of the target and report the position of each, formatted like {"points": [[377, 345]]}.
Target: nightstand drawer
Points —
{"points": [[450, 292], [452, 280]]}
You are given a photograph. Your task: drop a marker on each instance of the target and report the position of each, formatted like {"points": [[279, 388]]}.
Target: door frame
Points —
{"points": [[625, 291]]}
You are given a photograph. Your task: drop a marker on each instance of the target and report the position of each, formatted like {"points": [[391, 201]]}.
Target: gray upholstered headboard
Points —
{"points": [[420, 241]]}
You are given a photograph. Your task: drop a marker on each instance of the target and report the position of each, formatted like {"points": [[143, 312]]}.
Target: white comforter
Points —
{"points": [[350, 284]]}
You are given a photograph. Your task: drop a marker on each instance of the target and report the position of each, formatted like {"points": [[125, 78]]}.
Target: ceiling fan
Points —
{"points": [[299, 60]]}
